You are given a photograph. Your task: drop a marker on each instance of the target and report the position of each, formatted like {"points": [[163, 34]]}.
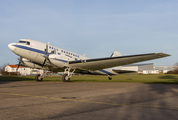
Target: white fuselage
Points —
{"points": [[35, 51]]}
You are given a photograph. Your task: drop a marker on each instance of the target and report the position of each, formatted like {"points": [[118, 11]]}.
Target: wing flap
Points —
{"points": [[124, 71], [102, 63]]}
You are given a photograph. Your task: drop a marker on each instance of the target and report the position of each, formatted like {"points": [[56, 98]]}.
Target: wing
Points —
{"points": [[102, 63]]}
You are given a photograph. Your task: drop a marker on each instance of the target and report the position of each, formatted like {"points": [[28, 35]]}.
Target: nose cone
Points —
{"points": [[11, 47]]}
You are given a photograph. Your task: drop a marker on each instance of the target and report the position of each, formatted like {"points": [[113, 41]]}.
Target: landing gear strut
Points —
{"points": [[109, 77], [66, 76]]}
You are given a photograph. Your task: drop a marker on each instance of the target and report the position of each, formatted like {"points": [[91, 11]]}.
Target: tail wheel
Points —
{"points": [[65, 78], [38, 78]]}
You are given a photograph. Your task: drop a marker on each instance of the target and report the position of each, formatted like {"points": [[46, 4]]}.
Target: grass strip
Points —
{"points": [[160, 78]]}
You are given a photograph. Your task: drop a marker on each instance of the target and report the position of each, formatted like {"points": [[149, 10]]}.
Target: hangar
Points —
{"points": [[147, 68], [164, 69], [135, 68]]}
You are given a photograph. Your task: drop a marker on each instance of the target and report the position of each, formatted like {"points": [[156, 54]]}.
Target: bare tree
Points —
{"points": [[176, 68], [1, 69]]}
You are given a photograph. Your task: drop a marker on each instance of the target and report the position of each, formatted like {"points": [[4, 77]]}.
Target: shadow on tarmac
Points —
{"points": [[8, 79], [170, 79]]}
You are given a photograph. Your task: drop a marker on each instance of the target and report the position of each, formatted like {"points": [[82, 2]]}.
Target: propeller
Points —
{"points": [[20, 61], [46, 56]]}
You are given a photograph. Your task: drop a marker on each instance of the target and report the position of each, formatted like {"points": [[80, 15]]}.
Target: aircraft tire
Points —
{"points": [[65, 78], [110, 78], [38, 79]]}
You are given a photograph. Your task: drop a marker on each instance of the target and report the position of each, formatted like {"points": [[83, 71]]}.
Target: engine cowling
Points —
{"points": [[58, 60], [30, 64]]}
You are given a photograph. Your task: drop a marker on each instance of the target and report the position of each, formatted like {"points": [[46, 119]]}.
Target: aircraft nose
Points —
{"points": [[11, 46]]}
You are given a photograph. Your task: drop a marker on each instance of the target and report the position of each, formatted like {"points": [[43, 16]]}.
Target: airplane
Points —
{"points": [[43, 56]]}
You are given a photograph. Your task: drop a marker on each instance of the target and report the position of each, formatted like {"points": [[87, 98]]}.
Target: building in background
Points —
{"points": [[164, 69], [143, 69], [22, 70], [136, 68]]}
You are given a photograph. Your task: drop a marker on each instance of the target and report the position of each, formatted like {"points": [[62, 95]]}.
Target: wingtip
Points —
{"points": [[164, 54]]}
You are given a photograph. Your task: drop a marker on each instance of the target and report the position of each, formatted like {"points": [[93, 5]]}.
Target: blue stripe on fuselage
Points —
{"points": [[36, 50], [30, 49], [60, 60]]}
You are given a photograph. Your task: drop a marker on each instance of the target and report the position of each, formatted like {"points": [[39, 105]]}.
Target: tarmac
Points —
{"points": [[29, 100]]}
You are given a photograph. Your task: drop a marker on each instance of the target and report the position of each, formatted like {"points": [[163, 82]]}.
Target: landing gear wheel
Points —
{"points": [[110, 78], [38, 78], [65, 78]]}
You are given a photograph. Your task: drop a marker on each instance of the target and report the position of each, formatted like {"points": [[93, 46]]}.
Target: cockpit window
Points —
{"points": [[22, 41], [26, 42]]}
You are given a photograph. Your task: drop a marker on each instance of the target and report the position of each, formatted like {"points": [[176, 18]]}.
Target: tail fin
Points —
{"points": [[116, 54]]}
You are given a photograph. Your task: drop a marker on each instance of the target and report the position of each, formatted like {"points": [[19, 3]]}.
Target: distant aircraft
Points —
{"points": [[39, 55]]}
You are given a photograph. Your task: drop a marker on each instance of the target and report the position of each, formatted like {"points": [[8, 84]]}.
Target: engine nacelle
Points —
{"points": [[59, 60], [30, 64]]}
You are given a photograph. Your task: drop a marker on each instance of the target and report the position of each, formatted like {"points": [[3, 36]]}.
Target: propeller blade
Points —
{"points": [[49, 61], [51, 52], [46, 49], [44, 63], [18, 66], [20, 59]]}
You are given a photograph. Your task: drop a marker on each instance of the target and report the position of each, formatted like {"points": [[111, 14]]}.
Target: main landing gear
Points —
{"points": [[39, 77], [109, 77], [67, 75]]}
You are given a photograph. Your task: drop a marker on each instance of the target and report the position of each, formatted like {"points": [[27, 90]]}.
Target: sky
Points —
{"points": [[95, 28]]}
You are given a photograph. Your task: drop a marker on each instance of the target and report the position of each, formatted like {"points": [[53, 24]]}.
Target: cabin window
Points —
{"points": [[61, 50], [58, 53], [50, 47]]}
